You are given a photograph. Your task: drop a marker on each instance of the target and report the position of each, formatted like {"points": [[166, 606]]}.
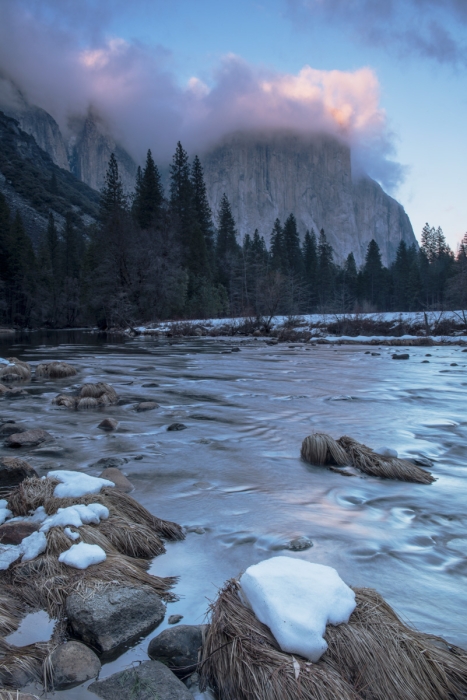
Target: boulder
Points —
{"points": [[11, 428], [107, 619], [151, 680], [119, 479], [174, 619], [30, 438], [298, 544], [178, 647], [73, 663], [108, 424], [146, 406], [14, 470], [14, 533], [403, 356], [177, 426]]}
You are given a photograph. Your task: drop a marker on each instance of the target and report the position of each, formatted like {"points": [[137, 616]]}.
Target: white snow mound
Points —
{"points": [[82, 555], [33, 545], [296, 600], [76, 515], [4, 511], [72, 535], [76, 484]]}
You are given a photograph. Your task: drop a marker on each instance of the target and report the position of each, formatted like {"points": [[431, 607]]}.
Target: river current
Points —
{"points": [[234, 477]]}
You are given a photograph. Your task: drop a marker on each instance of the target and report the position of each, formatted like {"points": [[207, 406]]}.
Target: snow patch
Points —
{"points": [[4, 511], [76, 516], [72, 535], [76, 484], [82, 555], [30, 548], [296, 600]]}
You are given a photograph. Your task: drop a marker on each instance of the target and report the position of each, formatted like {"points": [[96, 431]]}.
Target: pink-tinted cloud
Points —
{"points": [[130, 85]]}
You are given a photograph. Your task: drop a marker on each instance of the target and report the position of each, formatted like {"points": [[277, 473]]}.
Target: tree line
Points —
{"points": [[150, 257]]}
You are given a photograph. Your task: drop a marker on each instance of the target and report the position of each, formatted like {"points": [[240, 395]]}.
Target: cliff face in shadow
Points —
{"points": [[270, 177]]}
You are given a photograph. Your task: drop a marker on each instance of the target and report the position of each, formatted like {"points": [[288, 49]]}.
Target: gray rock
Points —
{"points": [[150, 385], [174, 619], [177, 426], [109, 462], [404, 356], [108, 424], [150, 680], [178, 647], [11, 429], [119, 479], [146, 406], [13, 470], [73, 663], [30, 438], [107, 619], [299, 544]]}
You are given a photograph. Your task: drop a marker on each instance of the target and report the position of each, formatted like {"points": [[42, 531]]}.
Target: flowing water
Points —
{"points": [[234, 477]]}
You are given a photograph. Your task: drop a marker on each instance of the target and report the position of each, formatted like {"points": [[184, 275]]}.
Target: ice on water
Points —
{"points": [[296, 600]]}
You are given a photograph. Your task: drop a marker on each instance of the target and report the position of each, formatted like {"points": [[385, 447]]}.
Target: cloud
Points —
{"points": [[432, 29], [131, 86]]}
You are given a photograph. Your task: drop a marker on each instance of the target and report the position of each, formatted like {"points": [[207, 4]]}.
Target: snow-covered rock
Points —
{"points": [[296, 600], [76, 516], [76, 484], [82, 555]]}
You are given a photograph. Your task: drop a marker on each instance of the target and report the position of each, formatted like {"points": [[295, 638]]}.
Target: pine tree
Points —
{"points": [[149, 194], [227, 248], [292, 249], [373, 275], [201, 207], [112, 200], [277, 246], [310, 267], [326, 271]]}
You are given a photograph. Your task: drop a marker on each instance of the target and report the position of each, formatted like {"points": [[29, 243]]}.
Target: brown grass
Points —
{"points": [[30, 494], [19, 371], [363, 458], [55, 370], [89, 396], [17, 661], [373, 657], [10, 613], [322, 449]]}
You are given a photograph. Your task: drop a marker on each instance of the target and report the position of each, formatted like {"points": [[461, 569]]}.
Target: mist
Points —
{"points": [[132, 86]]}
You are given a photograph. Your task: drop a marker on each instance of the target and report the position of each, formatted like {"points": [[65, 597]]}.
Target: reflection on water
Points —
{"points": [[235, 479]]}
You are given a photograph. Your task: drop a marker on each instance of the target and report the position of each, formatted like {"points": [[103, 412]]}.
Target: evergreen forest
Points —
{"points": [[151, 257]]}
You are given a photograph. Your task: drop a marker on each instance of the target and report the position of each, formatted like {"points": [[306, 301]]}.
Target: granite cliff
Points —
{"points": [[273, 176]]}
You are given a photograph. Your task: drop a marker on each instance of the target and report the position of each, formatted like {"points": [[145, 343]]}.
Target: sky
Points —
{"points": [[389, 78]]}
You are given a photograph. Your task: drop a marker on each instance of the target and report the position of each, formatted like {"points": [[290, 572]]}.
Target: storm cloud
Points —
{"points": [[63, 61]]}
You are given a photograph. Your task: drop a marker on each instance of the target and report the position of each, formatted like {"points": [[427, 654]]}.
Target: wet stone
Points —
{"points": [[178, 647], [454, 364], [107, 619], [174, 619], [146, 406], [299, 544], [109, 462], [11, 429], [403, 356], [150, 385], [30, 438], [151, 679], [13, 470], [108, 424], [119, 479], [73, 663], [177, 426]]}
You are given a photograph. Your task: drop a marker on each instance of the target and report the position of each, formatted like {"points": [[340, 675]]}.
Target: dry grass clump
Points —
{"points": [[89, 396], [373, 657], [55, 370], [363, 458], [45, 583], [20, 663], [30, 494], [322, 449], [10, 613], [16, 371]]}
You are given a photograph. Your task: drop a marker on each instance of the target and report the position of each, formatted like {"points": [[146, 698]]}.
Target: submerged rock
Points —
{"points": [[299, 544], [177, 426], [108, 462], [13, 470], [107, 619], [119, 479], [11, 429], [151, 680], [174, 619], [178, 647], [108, 424], [403, 356], [29, 438], [73, 663], [146, 406]]}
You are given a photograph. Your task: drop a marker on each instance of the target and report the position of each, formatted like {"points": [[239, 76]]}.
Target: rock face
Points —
{"points": [[148, 681], [73, 663], [177, 647], [108, 619], [269, 178]]}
